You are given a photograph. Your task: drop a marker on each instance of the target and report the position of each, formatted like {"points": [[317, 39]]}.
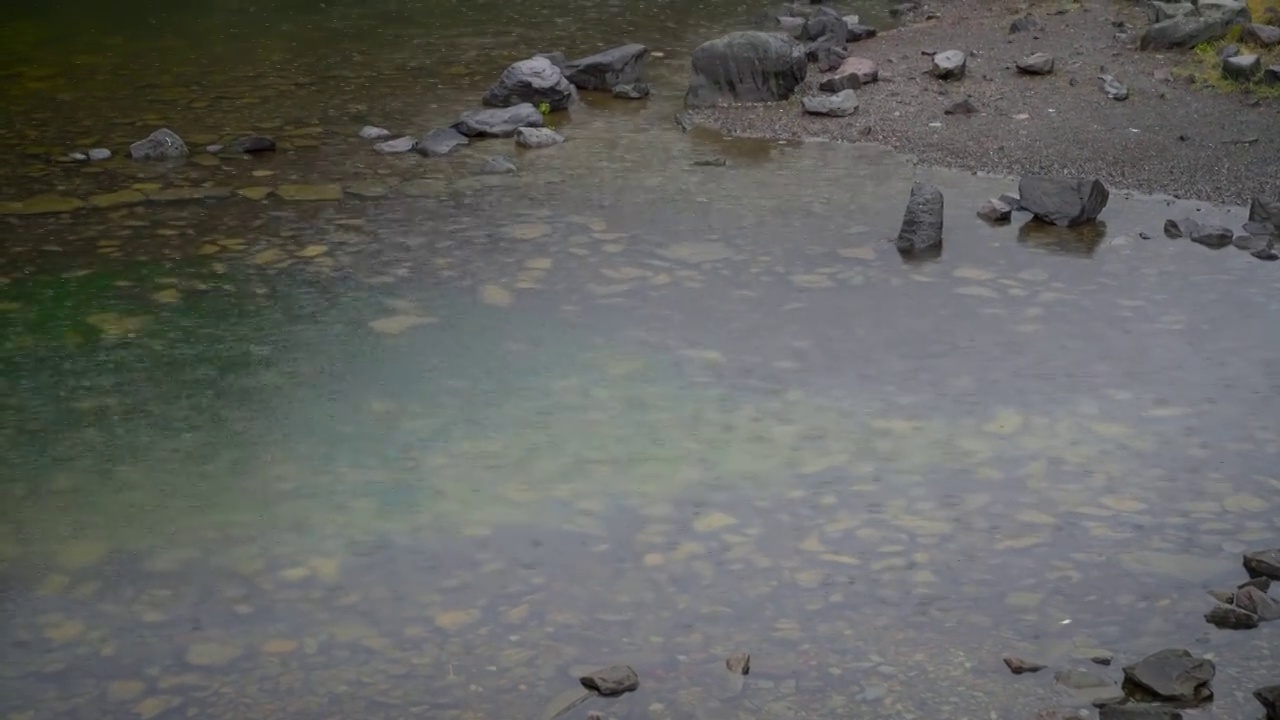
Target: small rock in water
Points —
{"points": [[1084, 686], [1269, 697], [533, 138], [1114, 89], [498, 122], [631, 91], [621, 65], [963, 107], [996, 211], [163, 144], [1026, 23], [533, 81], [1241, 68], [1173, 674], [1065, 202], [921, 231], [739, 664], [213, 149], [949, 65], [610, 681], [254, 144], [399, 145], [1018, 666], [1212, 236], [842, 104], [498, 165], [1138, 711], [373, 132], [710, 162], [440, 142], [1227, 617], [1253, 600], [99, 154], [1037, 64], [1180, 228], [1251, 243]]}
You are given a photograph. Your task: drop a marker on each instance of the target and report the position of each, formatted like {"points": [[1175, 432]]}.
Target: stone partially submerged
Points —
{"points": [[534, 81], [440, 142], [1065, 202], [1173, 675], [603, 71], [921, 231], [498, 122], [1185, 31], [163, 144], [610, 681], [746, 67], [534, 138]]}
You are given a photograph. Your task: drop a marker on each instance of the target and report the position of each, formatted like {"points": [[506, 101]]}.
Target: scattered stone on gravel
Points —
{"points": [[1269, 697], [1161, 11], [1184, 32], [610, 681], [1179, 228], [961, 107], [859, 32], [373, 132], [1138, 711], [1241, 68], [1271, 76], [498, 165], [949, 64], [1114, 89], [852, 74], [441, 141], [1017, 665], [827, 52], [1227, 617], [1036, 64], [842, 104], [534, 138], [99, 154], [631, 91], [399, 145], [1251, 599], [1261, 35], [1264, 563], [746, 67], [532, 81], [1026, 24], [921, 231], [602, 71], [498, 122], [253, 144], [1211, 236], [1065, 202], [1173, 674], [163, 144]]}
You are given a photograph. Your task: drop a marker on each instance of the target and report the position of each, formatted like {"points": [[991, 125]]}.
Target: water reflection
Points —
{"points": [[1081, 241]]}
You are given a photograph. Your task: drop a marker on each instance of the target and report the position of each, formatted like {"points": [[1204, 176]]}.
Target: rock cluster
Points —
{"points": [[1260, 237]]}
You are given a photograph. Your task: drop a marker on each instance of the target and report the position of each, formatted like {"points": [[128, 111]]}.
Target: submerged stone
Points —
{"points": [[327, 191], [1018, 666], [1263, 563], [498, 165], [610, 681], [1065, 202], [605, 70], [40, 205], [163, 144], [114, 199], [1173, 674], [253, 144], [441, 141], [373, 132]]}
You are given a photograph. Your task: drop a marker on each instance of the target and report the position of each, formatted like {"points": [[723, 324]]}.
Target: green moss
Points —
{"points": [[1206, 66]]}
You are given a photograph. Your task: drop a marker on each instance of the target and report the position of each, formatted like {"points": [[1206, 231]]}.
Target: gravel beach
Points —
{"points": [[1170, 136]]}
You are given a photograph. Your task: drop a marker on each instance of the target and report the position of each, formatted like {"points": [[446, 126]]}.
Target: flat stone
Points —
{"points": [[43, 204], [1263, 563], [610, 681], [1241, 68], [185, 193], [1173, 674], [399, 145], [1065, 202], [373, 132], [117, 198], [163, 144], [1212, 236], [441, 142], [995, 211], [498, 122], [209, 654], [1087, 687], [1036, 64], [949, 65], [534, 138], [1228, 617], [97, 154], [367, 188], [1251, 599], [852, 74], [1260, 35], [325, 191], [253, 144], [1018, 666]]}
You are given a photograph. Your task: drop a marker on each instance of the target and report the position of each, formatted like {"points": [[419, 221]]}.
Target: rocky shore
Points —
{"points": [[1050, 89]]}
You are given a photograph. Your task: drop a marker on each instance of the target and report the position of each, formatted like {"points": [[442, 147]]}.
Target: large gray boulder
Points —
{"points": [[618, 66], [1261, 35], [1187, 31], [921, 231], [163, 144], [746, 67], [1065, 202], [498, 122], [533, 81]]}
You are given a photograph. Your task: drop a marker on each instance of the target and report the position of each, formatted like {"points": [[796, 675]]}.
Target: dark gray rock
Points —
{"points": [[1262, 229], [842, 104], [949, 65], [610, 681], [1180, 228], [1065, 202], [1017, 665], [852, 74], [1271, 76], [373, 132], [823, 25], [859, 32], [1251, 599], [99, 154], [1269, 697], [1266, 211], [163, 144], [1242, 68], [1184, 32], [828, 52], [1086, 687], [746, 67], [961, 107], [1261, 35], [1172, 674], [1113, 88], [1228, 617], [253, 144], [1235, 13], [1138, 711], [1250, 243], [441, 142], [1262, 583], [534, 138], [1013, 201], [399, 145], [498, 122], [1262, 563], [631, 91], [533, 81], [1161, 11], [1268, 254], [1211, 236], [903, 9], [1025, 24], [793, 26], [498, 165], [616, 66], [1036, 64], [555, 58], [996, 211], [921, 231]]}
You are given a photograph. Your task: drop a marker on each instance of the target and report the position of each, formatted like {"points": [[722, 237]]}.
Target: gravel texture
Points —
{"points": [[1170, 136]]}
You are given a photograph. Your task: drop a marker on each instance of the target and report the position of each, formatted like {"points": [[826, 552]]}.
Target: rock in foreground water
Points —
{"points": [[1173, 674], [1269, 697], [1211, 236], [533, 81], [533, 138], [1227, 617], [253, 144], [604, 70], [163, 144], [441, 141], [1251, 599], [1262, 563], [921, 231], [498, 122], [1065, 202], [746, 67], [631, 91], [613, 680]]}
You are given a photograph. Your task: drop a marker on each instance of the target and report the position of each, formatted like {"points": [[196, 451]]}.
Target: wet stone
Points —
{"points": [[1018, 666], [921, 231], [1262, 583], [372, 132], [1173, 674], [97, 154], [115, 199], [739, 664], [399, 145], [1179, 228], [1215, 237], [498, 122], [533, 81], [1065, 202], [606, 69], [534, 138], [995, 211], [1263, 563], [210, 654], [1269, 698], [613, 680], [253, 144], [631, 91], [498, 165], [441, 142], [40, 205], [1228, 617], [1088, 687], [1253, 600], [310, 192], [367, 188], [163, 144]]}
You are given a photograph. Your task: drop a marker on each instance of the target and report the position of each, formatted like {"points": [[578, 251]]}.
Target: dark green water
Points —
{"points": [[431, 454]]}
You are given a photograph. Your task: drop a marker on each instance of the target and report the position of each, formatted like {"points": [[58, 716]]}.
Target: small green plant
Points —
{"points": [[544, 107]]}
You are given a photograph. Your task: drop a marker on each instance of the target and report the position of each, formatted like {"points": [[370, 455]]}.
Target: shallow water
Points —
{"points": [[432, 454]]}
